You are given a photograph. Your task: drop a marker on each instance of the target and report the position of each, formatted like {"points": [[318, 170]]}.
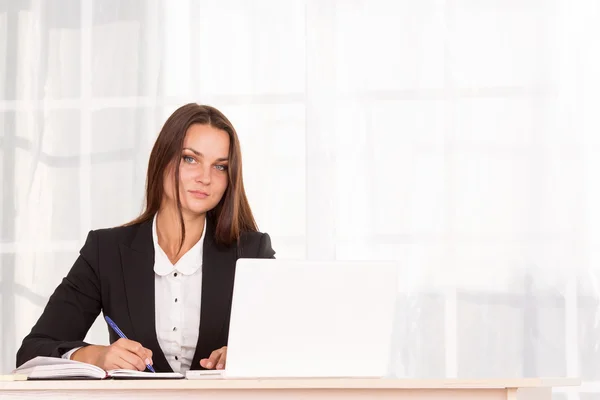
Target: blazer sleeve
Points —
{"points": [[71, 309], [264, 248]]}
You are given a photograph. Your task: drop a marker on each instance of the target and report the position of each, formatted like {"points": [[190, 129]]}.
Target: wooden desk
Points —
{"points": [[271, 389]]}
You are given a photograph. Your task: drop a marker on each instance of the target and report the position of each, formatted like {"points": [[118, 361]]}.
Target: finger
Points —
{"points": [[212, 360], [204, 363], [149, 355], [131, 358], [114, 361], [136, 348], [120, 363], [222, 360]]}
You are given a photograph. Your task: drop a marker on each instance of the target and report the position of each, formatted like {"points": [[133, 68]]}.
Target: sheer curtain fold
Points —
{"points": [[459, 138]]}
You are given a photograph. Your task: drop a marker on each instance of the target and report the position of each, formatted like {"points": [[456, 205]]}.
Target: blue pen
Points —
{"points": [[122, 335]]}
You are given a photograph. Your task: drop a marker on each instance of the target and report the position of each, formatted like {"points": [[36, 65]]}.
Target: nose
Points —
{"points": [[203, 174]]}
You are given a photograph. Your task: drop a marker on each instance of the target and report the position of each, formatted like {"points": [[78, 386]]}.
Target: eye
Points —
{"points": [[221, 167], [188, 159]]}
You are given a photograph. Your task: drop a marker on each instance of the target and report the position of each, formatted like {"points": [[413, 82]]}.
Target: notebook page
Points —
{"points": [[50, 366]]}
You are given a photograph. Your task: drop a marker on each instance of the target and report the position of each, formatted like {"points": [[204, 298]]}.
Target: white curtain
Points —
{"points": [[459, 137]]}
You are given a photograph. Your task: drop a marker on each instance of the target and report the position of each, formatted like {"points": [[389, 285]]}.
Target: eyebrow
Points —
{"points": [[196, 152]]}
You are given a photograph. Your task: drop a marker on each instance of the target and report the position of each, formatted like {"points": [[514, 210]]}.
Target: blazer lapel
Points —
{"points": [[218, 271], [138, 271]]}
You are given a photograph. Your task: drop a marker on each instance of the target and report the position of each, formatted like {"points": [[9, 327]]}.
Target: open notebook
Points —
{"points": [[50, 368]]}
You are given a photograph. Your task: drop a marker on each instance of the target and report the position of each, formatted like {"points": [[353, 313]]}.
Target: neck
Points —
{"points": [[168, 230]]}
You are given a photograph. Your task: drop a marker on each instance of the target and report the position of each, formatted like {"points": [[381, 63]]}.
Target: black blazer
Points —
{"points": [[114, 273]]}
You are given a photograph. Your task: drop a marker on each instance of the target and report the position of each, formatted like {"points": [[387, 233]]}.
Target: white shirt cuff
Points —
{"points": [[68, 354]]}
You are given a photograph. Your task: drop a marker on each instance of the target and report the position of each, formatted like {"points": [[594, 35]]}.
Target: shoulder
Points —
{"points": [[124, 233], [113, 236], [255, 245], [251, 237]]}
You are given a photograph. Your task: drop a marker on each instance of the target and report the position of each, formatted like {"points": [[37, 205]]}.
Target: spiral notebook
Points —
{"points": [[51, 368]]}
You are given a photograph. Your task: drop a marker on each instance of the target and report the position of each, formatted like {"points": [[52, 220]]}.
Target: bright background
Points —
{"points": [[459, 137]]}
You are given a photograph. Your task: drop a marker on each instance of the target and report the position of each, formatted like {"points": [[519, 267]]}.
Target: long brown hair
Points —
{"points": [[232, 215]]}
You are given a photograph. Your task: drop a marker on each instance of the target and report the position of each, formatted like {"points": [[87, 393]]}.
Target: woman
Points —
{"points": [[165, 279]]}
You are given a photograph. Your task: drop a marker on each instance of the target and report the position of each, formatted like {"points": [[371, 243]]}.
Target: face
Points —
{"points": [[203, 170]]}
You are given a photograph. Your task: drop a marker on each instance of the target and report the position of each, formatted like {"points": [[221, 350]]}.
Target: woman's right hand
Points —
{"points": [[122, 354]]}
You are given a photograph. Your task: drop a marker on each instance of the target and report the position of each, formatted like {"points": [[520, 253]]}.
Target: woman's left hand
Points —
{"points": [[216, 360]]}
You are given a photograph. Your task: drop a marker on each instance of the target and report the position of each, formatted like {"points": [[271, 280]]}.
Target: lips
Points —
{"points": [[198, 194]]}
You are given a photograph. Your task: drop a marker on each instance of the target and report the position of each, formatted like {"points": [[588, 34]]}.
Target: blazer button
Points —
{"points": [[175, 274], [174, 328]]}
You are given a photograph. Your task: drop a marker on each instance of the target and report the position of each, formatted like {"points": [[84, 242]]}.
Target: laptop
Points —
{"points": [[312, 319]]}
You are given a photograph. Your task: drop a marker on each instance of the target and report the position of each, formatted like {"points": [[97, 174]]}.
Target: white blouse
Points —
{"points": [[178, 290]]}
